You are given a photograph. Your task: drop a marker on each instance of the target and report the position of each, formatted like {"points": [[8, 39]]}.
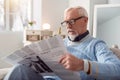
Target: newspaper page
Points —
{"points": [[43, 57]]}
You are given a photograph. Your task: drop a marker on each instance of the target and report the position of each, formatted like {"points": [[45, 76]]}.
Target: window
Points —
{"points": [[1, 14], [14, 14]]}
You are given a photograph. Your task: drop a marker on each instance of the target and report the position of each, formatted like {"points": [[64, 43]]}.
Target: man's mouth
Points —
{"points": [[71, 32]]}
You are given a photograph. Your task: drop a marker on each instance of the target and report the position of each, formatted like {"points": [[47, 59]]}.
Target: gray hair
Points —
{"points": [[82, 11]]}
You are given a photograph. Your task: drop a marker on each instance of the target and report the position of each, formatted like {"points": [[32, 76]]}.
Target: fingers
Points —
{"points": [[71, 62], [66, 61], [67, 64], [62, 59]]}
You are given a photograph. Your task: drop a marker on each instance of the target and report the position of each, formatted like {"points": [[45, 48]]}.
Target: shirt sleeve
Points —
{"points": [[107, 66]]}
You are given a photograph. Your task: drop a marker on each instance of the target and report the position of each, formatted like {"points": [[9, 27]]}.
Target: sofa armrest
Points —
{"points": [[3, 72]]}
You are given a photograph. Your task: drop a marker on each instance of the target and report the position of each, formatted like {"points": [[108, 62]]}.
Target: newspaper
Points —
{"points": [[43, 57]]}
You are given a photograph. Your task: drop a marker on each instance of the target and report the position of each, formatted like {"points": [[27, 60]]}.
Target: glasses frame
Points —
{"points": [[71, 22]]}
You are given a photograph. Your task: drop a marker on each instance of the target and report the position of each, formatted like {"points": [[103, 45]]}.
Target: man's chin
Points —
{"points": [[72, 37]]}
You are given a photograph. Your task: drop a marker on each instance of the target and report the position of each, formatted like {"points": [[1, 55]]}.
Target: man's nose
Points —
{"points": [[69, 25]]}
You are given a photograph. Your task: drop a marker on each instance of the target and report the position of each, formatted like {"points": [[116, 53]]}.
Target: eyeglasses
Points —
{"points": [[71, 22]]}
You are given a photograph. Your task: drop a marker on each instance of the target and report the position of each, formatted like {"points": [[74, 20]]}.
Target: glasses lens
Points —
{"points": [[72, 22], [64, 24]]}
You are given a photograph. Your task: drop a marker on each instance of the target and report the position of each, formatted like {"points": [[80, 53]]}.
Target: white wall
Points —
{"points": [[9, 42], [113, 1], [110, 31], [52, 12]]}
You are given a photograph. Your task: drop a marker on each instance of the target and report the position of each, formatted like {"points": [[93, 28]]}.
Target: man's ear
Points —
{"points": [[86, 19]]}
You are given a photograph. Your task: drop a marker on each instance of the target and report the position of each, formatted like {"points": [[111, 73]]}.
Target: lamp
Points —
{"points": [[46, 33], [46, 26]]}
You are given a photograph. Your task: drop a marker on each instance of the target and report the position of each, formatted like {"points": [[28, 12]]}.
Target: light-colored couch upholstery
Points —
{"points": [[116, 51], [9, 42], [4, 71]]}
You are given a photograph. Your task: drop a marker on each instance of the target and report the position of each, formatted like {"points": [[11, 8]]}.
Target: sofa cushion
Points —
{"points": [[3, 72], [116, 51]]}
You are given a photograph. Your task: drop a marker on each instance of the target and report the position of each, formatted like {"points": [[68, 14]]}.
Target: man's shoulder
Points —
{"points": [[94, 41]]}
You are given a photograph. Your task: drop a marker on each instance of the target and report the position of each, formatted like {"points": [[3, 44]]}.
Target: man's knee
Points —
{"points": [[17, 66], [22, 72], [14, 71]]}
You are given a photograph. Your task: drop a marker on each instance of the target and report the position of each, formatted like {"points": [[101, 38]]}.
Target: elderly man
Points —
{"points": [[86, 55]]}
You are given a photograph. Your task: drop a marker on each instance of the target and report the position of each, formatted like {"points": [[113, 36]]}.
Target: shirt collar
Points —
{"points": [[77, 43]]}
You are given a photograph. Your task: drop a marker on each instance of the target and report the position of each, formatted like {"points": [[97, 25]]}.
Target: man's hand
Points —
{"points": [[70, 62]]}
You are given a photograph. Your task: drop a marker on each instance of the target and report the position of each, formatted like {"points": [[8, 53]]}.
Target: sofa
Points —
{"points": [[9, 42], [3, 72], [114, 48]]}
